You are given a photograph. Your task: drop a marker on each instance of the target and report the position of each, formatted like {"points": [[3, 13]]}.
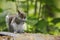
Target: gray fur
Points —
{"points": [[15, 23]]}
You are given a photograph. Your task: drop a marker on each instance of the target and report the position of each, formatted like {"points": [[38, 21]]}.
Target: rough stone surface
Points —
{"points": [[30, 36], [38, 36]]}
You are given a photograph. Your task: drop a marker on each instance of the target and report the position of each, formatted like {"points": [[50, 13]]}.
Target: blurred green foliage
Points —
{"points": [[41, 15], [1, 10]]}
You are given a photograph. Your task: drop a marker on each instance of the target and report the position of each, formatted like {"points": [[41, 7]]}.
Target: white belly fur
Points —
{"points": [[18, 27]]}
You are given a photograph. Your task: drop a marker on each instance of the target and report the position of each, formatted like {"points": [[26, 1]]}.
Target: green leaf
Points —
{"points": [[41, 26], [56, 20], [1, 10]]}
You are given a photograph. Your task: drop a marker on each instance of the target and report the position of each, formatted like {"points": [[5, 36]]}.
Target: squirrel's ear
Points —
{"points": [[18, 12]]}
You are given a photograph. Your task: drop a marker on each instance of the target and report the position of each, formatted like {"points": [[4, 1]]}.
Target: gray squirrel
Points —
{"points": [[15, 23]]}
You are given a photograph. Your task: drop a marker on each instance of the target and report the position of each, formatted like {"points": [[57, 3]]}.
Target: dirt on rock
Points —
{"points": [[30, 36]]}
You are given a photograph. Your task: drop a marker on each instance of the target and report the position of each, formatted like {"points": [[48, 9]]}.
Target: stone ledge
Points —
{"points": [[38, 36], [28, 36]]}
